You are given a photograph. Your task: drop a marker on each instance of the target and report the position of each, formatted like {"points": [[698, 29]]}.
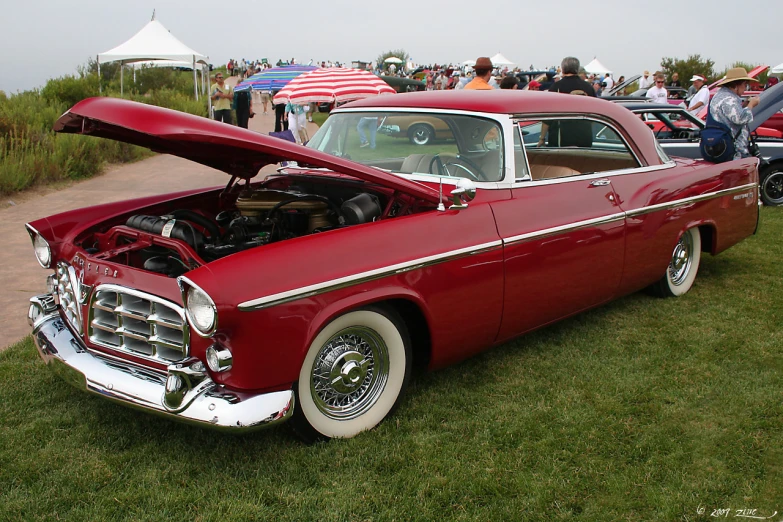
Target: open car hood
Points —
{"points": [[770, 102], [236, 151], [620, 86]]}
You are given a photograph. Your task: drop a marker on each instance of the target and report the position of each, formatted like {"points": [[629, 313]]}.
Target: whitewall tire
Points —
{"points": [[683, 266], [353, 375]]}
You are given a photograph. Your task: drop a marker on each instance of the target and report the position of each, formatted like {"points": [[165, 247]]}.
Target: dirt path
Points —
{"points": [[21, 277]]}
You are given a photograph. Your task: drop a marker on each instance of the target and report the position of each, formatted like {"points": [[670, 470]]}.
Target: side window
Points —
{"points": [[520, 163], [564, 147]]}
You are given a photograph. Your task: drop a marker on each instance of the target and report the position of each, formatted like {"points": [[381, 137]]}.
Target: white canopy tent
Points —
{"points": [[778, 69], [596, 67], [499, 59], [154, 42]]}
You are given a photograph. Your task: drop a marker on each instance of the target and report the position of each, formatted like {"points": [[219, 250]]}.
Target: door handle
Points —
{"points": [[599, 183]]}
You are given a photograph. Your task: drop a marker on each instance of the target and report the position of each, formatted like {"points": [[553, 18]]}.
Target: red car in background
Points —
{"points": [[310, 295]]}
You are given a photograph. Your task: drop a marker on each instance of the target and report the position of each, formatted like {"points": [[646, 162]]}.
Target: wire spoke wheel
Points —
{"points": [[682, 258], [349, 373], [353, 374]]}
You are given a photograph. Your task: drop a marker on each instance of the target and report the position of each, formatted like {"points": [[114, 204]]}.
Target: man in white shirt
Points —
{"points": [[658, 93], [608, 82], [645, 82], [702, 96]]}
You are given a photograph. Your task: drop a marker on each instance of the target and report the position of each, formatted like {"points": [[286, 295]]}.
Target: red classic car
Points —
{"points": [[312, 294]]}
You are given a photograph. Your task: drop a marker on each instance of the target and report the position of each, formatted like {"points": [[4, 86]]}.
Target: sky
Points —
{"points": [[51, 38]]}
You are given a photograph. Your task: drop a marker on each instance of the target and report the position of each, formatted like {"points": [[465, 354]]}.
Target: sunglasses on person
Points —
{"points": [[219, 77], [660, 81]]}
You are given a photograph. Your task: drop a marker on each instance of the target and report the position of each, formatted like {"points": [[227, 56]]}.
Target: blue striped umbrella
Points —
{"points": [[273, 79]]}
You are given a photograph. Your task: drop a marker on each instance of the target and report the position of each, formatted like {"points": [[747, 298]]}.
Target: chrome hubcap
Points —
{"points": [[680, 265], [421, 136], [349, 373], [773, 186]]}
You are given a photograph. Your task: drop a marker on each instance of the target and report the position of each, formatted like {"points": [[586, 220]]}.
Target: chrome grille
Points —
{"points": [[66, 288], [134, 322]]}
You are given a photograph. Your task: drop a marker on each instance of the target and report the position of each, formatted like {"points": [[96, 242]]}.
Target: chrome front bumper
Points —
{"points": [[197, 398]]}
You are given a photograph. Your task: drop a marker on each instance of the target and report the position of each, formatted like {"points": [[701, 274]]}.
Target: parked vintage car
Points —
{"points": [[311, 295], [679, 134], [420, 129], [402, 84]]}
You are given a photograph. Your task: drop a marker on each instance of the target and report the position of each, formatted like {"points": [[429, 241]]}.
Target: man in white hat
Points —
{"points": [[702, 96], [645, 82], [727, 107]]}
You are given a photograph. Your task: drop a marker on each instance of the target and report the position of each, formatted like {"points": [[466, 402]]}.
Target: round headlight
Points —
{"points": [[201, 311], [42, 251]]}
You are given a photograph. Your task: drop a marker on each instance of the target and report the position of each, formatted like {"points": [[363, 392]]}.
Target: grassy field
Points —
{"points": [[644, 409]]}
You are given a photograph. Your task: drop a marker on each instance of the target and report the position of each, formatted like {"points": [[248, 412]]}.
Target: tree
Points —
{"points": [[694, 64], [397, 53]]}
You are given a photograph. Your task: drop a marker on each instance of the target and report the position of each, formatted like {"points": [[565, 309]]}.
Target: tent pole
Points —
{"points": [[195, 78], [209, 94], [121, 79], [98, 59]]}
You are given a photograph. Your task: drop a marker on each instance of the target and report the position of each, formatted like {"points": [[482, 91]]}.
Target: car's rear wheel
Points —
{"points": [[772, 186], [353, 375], [421, 134], [683, 266]]}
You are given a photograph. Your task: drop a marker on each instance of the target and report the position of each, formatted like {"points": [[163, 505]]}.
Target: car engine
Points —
{"points": [[258, 217]]}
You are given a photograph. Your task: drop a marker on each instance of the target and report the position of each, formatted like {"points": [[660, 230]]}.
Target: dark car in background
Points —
{"points": [[679, 133]]}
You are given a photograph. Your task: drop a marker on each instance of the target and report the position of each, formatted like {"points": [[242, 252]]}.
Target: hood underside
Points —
{"points": [[236, 151], [770, 102]]}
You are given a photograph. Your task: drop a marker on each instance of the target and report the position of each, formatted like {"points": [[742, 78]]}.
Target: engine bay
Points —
{"points": [[184, 234]]}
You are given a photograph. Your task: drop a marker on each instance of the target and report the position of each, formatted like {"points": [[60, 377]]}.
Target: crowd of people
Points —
{"points": [[727, 106]]}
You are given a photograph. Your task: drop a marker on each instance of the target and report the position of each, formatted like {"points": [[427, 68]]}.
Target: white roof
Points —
{"points": [[777, 69], [499, 59], [153, 42], [162, 63], [596, 67]]}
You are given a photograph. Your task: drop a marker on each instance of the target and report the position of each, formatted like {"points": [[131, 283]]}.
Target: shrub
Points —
{"points": [[31, 153], [70, 89]]}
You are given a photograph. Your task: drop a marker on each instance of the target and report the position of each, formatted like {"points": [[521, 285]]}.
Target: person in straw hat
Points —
{"points": [[728, 108]]}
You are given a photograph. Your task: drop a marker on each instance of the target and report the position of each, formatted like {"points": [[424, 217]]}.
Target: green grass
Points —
{"points": [[644, 409]]}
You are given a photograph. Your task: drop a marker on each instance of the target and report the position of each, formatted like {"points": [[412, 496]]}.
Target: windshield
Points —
{"points": [[446, 145]]}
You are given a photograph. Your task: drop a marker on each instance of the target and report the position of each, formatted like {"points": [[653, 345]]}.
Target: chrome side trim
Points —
{"points": [[692, 199], [606, 174], [370, 275], [565, 228]]}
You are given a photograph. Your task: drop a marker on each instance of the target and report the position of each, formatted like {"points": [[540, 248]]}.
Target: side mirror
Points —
{"points": [[463, 194]]}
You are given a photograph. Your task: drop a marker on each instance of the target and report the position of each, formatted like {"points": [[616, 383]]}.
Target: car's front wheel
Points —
{"points": [[353, 375], [421, 134], [772, 186], [683, 266]]}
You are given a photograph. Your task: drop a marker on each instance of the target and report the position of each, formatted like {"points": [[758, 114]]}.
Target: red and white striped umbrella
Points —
{"points": [[332, 85]]}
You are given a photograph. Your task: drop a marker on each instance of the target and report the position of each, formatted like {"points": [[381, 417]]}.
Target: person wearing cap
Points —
{"points": [[702, 97], [645, 82], [728, 108], [483, 72], [533, 86]]}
